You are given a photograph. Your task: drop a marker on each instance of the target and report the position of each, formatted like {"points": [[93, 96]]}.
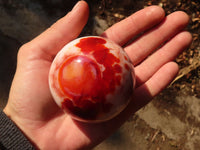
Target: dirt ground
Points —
{"points": [[170, 122]]}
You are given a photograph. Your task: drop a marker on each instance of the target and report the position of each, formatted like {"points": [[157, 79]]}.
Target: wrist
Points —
{"points": [[15, 118], [11, 137]]}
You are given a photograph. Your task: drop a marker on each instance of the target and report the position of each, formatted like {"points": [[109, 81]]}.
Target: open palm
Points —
{"points": [[31, 105]]}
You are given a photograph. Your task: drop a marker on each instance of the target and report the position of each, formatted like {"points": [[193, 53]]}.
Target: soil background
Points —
{"points": [[170, 122]]}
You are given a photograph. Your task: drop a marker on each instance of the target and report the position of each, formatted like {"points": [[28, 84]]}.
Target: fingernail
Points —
{"points": [[76, 6]]}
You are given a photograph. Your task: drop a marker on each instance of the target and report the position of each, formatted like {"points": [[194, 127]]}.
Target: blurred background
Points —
{"points": [[170, 122]]}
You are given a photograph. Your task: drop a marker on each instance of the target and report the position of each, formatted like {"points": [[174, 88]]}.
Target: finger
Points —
{"points": [[151, 40], [140, 21], [160, 80], [165, 54], [61, 32]]}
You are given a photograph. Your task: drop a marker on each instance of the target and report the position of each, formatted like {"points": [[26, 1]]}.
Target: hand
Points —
{"points": [[31, 105]]}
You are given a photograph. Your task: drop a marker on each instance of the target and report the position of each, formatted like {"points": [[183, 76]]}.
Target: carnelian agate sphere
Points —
{"points": [[92, 79]]}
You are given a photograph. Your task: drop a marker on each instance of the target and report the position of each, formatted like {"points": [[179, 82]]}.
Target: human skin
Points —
{"points": [[31, 106]]}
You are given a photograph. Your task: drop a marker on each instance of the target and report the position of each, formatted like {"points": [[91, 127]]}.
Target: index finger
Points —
{"points": [[140, 21]]}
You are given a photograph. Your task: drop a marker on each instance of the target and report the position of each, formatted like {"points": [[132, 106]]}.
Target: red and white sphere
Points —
{"points": [[92, 79]]}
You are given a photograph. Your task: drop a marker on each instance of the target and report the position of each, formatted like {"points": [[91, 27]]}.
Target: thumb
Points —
{"points": [[61, 32]]}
